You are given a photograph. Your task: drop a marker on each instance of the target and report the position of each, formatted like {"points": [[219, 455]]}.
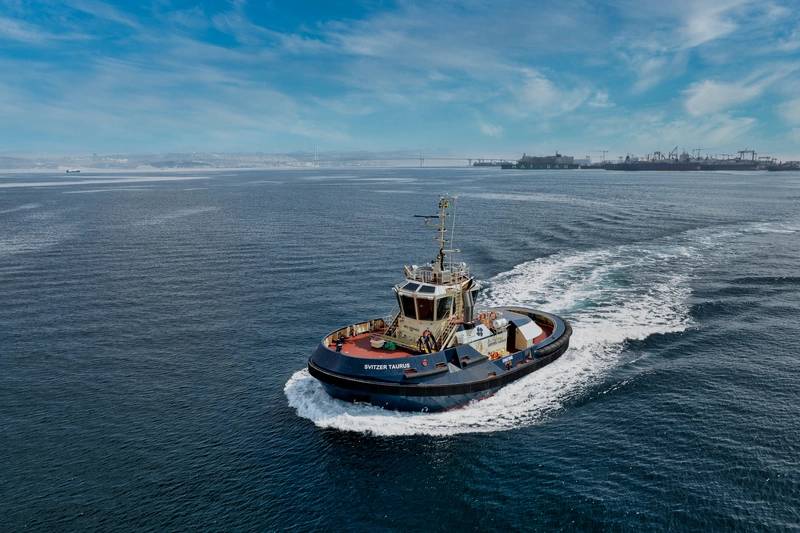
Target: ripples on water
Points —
{"points": [[153, 343]]}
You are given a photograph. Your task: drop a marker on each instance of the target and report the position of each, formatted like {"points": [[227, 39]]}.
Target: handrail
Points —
{"points": [[452, 273], [446, 333], [392, 318], [359, 328]]}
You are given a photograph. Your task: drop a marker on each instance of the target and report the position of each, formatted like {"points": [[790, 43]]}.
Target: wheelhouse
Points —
{"points": [[424, 302]]}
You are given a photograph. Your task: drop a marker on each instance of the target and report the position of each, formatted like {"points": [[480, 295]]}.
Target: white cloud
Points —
{"points": [[160, 77], [535, 93], [17, 30], [660, 37], [490, 130], [651, 70], [790, 111], [102, 10], [644, 132], [790, 43], [719, 130], [710, 96], [705, 23], [600, 100]]}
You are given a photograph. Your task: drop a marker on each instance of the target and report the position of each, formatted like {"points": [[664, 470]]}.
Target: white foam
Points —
{"points": [[775, 227], [180, 213], [34, 238], [110, 189], [97, 181], [23, 207], [536, 197], [324, 177]]}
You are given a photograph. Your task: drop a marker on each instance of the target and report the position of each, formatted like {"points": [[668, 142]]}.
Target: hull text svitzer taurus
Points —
{"points": [[437, 350]]}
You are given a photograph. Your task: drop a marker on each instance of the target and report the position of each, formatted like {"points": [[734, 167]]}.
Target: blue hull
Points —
{"points": [[392, 402], [437, 381]]}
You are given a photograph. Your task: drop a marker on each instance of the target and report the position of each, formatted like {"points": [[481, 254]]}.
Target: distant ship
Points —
{"points": [[437, 351], [786, 165], [490, 163], [73, 171], [530, 162]]}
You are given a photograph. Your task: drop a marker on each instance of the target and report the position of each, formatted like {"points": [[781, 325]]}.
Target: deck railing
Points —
{"points": [[368, 326], [452, 273]]}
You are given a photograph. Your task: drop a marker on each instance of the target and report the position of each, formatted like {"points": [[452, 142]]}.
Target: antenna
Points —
{"points": [[444, 204], [453, 228]]}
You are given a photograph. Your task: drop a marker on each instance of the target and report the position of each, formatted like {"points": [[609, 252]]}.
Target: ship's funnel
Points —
{"points": [[466, 296]]}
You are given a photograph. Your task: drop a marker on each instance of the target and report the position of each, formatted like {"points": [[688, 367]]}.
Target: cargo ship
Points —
{"points": [[439, 349], [745, 160]]}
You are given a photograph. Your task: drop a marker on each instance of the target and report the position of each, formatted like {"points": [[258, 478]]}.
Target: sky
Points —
{"points": [[461, 77]]}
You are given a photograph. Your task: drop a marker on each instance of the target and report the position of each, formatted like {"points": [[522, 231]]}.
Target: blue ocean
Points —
{"points": [[155, 326]]}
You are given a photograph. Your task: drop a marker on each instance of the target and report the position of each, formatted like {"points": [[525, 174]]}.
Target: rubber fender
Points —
{"points": [[556, 344]]}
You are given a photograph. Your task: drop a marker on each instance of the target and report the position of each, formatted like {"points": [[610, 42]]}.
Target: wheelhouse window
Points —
{"points": [[410, 286], [424, 309], [407, 303], [427, 289], [443, 306]]}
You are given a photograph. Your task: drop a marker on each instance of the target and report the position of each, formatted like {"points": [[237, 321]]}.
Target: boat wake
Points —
{"points": [[610, 296]]}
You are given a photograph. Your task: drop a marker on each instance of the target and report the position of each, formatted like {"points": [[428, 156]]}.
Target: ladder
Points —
{"points": [[391, 319], [446, 333]]}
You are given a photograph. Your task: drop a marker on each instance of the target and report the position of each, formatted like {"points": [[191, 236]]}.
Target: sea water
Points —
{"points": [[154, 330]]}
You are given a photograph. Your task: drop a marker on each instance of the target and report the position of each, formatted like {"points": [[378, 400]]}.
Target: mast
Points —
{"points": [[444, 203], [439, 269]]}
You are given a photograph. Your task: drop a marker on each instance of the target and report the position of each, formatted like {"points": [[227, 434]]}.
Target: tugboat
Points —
{"points": [[437, 350]]}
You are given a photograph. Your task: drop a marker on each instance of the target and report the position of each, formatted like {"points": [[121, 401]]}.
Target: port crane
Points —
{"points": [[673, 154], [604, 152], [747, 151]]}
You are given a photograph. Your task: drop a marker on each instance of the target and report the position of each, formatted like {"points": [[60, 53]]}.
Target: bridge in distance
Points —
{"points": [[421, 159]]}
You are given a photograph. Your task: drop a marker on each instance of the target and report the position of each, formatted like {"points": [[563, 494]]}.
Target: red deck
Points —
{"points": [[359, 346]]}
